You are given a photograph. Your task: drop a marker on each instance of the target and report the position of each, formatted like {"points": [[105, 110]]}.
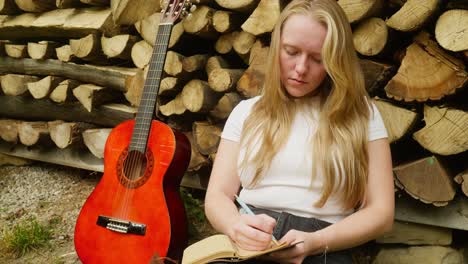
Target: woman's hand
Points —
{"points": [[253, 232], [295, 254]]}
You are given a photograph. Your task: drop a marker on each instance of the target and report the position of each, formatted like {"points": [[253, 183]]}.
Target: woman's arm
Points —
{"points": [[250, 232], [373, 219], [376, 215]]}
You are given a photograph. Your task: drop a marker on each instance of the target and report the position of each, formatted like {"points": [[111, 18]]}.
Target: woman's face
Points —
{"points": [[301, 42]]}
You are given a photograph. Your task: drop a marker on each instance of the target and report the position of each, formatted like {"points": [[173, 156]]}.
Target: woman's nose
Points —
{"points": [[301, 65]]}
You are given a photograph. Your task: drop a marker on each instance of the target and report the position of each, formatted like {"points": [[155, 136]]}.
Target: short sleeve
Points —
{"points": [[233, 126], [377, 128]]}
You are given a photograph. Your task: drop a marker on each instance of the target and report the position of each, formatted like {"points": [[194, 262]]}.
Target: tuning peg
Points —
{"points": [[193, 8]]}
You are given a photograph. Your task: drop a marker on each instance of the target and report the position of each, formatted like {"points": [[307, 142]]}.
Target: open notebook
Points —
{"points": [[221, 248]]}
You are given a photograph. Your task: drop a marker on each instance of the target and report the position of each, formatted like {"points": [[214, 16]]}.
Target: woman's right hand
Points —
{"points": [[253, 232]]}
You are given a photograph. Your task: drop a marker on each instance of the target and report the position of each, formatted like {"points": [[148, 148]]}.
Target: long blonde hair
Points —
{"points": [[339, 146]]}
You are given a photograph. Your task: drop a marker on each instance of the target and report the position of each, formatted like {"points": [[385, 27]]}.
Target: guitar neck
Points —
{"points": [[151, 89]]}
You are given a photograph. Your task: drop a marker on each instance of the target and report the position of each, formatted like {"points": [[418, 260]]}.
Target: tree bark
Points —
{"points": [[27, 108], [118, 78]]}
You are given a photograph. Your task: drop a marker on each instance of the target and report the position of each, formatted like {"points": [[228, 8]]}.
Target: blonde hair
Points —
{"points": [[339, 146]]}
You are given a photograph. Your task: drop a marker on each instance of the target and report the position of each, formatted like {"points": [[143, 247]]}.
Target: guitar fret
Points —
{"points": [[146, 111]]}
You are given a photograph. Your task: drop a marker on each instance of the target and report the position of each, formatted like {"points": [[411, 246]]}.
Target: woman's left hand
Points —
{"points": [[295, 254]]}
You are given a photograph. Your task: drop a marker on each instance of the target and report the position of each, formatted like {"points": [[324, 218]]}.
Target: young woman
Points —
{"points": [[310, 154]]}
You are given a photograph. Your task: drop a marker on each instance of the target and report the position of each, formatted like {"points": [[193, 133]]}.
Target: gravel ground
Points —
{"points": [[48, 193]]}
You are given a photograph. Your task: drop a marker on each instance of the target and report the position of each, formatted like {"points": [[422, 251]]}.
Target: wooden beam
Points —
{"points": [[118, 78], [73, 157], [67, 157], [28, 108], [454, 215]]}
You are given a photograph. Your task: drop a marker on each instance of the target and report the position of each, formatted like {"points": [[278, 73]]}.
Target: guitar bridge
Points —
{"points": [[121, 226]]}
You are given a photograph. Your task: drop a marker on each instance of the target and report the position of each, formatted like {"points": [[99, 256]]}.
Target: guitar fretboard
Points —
{"points": [[150, 91]]}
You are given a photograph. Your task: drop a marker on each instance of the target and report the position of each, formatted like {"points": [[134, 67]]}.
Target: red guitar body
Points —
{"points": [[151, 200]]}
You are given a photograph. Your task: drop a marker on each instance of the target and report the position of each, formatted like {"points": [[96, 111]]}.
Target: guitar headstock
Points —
{"points": [[175, 10]]}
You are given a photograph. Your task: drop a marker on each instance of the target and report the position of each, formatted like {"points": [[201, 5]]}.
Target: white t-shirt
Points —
{"points": [[287, 184]]}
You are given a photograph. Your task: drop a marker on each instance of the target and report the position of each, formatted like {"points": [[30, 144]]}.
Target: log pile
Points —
{"points": [[72, 70]]}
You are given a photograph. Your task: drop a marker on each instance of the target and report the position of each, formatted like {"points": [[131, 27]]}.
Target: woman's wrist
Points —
{"points": [[318, 242]]}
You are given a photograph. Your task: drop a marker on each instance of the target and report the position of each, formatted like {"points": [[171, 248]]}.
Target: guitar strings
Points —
{"points": [[135, 167]]}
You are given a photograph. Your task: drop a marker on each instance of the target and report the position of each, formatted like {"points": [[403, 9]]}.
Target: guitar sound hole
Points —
{"points": [[134, 165], [134, 168]]}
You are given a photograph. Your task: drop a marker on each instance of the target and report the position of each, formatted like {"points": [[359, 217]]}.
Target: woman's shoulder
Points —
{"points": [[246, 104], [250, 101]]}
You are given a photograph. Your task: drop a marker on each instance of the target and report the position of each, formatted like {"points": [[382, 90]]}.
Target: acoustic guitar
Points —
{"points": [[135, 212]]}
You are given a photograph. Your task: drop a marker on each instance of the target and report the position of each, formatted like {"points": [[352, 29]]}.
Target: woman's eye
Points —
{"points": [[291, 52], [317, 60]]}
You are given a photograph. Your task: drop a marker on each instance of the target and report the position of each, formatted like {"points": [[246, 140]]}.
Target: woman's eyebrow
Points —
{"points": [[286, 45]]}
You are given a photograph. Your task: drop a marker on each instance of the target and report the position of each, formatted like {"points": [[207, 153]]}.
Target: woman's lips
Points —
{"points": [[295, 81]]}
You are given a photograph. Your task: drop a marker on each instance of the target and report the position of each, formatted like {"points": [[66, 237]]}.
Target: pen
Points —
{"points": [[248, 211]]}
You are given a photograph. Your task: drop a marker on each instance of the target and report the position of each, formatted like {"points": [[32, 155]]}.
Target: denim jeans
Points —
{"points": [[286, 222]]}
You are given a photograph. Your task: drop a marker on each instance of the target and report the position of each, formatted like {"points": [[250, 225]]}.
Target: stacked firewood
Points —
{"points": [[71, 70]]}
